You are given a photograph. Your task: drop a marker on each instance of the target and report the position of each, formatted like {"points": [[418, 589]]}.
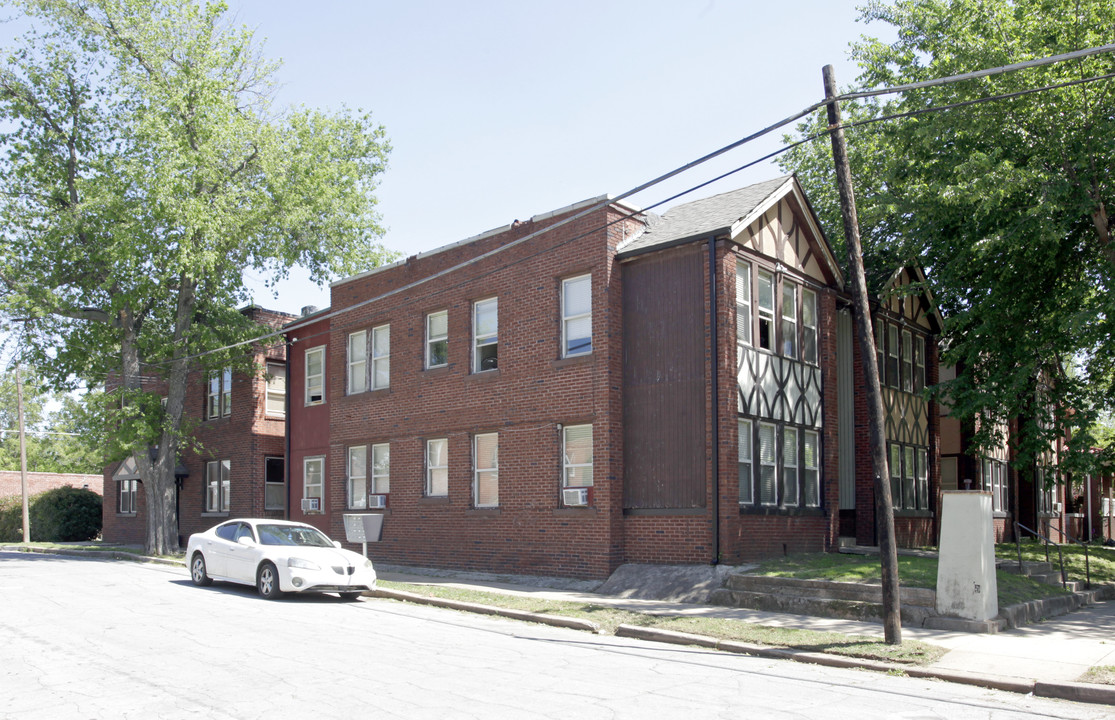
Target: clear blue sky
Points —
{"points": [[499, 110]]}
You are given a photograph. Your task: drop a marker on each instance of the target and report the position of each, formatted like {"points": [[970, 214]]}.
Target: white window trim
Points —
{"points": [[218, 394], [431, 339], [317, 489], [773, 464], [788, 327], [223, 482], [381, 358], [357, 352], [892, 352], [357, 479], [805, 468], [907, 361], [315, 351], [919, 363], [479, 341], [743, 299], [789, 466], [810, 297], [128, 492], [271, 392], [430, 468], [381, 477], [566, 465], [744, 456], [566, 319], [767, 315], [478, 471], [270, 484]]}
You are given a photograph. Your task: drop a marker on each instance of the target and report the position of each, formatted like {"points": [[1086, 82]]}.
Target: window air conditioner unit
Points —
{"points": [[311, 504], [574, 497], [377, 502], [1057, 507]]}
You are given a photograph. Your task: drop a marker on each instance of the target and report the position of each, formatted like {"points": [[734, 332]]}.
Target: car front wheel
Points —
{"points": [[267, 582], [197, 571]]}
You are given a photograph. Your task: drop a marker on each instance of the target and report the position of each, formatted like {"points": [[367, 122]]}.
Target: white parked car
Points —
{"points": [[277, 556]]}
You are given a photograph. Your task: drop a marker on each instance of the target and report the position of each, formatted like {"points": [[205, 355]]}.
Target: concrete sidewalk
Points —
{"points": [[1044, 658]]}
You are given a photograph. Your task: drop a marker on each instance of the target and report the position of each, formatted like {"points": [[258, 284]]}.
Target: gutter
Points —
{"points": [[714, 362]]}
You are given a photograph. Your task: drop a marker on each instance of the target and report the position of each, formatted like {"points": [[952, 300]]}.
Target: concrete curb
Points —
{"points": [[1077, 692], [99, 554], [555, 620]]}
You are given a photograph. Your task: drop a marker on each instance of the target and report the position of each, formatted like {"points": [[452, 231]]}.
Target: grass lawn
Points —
{"points": [[609, 618]]}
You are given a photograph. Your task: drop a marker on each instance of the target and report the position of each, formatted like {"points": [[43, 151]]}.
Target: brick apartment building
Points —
{"points": [[240, 469], [597, 385]]}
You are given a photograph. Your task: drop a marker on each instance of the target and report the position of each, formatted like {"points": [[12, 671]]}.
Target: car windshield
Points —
{"points": [[292, 535]]}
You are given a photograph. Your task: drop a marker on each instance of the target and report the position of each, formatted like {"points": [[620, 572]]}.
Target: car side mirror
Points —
{"points": [[245, 541], [337, 544]]}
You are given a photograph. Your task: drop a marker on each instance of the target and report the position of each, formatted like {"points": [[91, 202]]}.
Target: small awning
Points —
{"points": [[129, 469]]}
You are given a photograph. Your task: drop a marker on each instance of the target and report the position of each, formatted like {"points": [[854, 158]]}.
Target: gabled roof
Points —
{"points": [[918, 274], [727, 215]]}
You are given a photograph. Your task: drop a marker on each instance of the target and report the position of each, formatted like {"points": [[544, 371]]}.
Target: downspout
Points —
{"points": [[286, 432], [715, 367]]}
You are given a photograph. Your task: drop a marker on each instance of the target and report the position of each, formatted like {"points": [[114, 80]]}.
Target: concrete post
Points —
{"points": [[966, 583]]}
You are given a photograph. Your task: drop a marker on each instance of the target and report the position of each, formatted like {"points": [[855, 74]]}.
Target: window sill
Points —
{"points": [[665, 511], [483, 512], [378, 511], [215, 514], [778, 511], [126, 515], [572, 360], [483, 375], [436, 371], [434, 500], [272, 416], [913, 513]]}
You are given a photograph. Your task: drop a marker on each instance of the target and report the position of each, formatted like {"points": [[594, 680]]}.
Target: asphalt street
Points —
{"points": [[96, 639]]}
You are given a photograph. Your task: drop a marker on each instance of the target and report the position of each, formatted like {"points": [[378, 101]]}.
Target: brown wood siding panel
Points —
{"points": [[664, 316]]}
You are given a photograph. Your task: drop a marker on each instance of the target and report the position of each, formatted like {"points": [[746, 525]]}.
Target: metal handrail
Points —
{"points": [[1018, 543], [1087, 564]]}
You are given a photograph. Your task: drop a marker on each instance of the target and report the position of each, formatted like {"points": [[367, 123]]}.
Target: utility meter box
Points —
{"points": [[364, 528]]}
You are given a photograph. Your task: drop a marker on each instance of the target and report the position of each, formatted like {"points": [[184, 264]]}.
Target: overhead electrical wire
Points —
{"points": [[685, 168]]}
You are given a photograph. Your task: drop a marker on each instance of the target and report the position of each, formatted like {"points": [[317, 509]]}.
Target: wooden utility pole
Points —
{"points": [[22, 455], [884, 518]]}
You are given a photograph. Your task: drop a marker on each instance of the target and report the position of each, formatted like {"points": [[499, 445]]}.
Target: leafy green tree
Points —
{"points": [[145, 170], [1006, 201], [59, 438]]}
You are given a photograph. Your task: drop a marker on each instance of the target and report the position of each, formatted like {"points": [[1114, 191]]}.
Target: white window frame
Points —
{"points": [[919, 363], [791, 478], [274, 487], [315, 381], [357, 351], [568, 317], [809, 350], [357, 473], [743, 303], [571, 465], [128, 497], [437, 475], [487, 339], [745, 454], [881, 350], [788, 328], [218, 485], [811, 468], [381, 468], [219, 394], [909, 483], [907, 361], [770, 463], [275, 393], [381, 357], [316, 488], [432, 339], [921, 478], [892, 356], [484, 475], [895, 463], [766, 314]]}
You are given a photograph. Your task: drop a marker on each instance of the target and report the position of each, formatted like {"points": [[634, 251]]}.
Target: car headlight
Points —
{"points": [[367, 564], [300, 563]]}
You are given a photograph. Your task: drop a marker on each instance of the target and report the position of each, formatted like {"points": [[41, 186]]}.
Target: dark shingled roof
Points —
{"points": [[714, 215]]}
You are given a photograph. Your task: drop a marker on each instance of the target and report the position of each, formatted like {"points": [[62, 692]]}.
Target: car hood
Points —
{"points": [[320, 555]]}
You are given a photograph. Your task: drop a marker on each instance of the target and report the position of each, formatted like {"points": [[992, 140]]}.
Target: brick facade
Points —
{"points": [[11, 482]]}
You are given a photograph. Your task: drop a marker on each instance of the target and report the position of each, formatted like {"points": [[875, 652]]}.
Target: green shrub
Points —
{"points": [[65, 514], [11, 518]]}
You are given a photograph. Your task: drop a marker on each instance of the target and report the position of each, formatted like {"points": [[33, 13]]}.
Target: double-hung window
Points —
{"points": [[907, 361], [811, 467], [909, 494], [923, 478], [576, 316], [880, 351], [358, 477], [766, 310], [381, 357], [217, 486], [789, 466], [274, 483], [746, 479], [577, 456], [381, 468], [919, 363], [768, 467], [437, 339], [485, 335], [809, 326], [485, 478], [357, 362], [437, 467], [892, 356], [219, 394], [276, 389], [789, 320], [313, 480], [743, 303], [315, 375], [128, 489], [896, 475]]}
